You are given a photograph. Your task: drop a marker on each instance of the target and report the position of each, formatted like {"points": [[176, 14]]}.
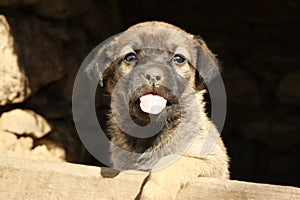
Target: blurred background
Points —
{"points": [[43, 43]]}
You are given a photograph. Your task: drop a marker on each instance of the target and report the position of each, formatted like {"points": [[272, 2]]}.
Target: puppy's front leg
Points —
{"points": [[165, 184]]}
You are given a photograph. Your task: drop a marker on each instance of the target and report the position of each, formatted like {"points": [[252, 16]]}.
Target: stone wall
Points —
{"points": [[41, 48], [44, 42]]}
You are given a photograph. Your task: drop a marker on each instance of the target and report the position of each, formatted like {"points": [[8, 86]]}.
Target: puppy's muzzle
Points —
{"points": [[153, 75]]}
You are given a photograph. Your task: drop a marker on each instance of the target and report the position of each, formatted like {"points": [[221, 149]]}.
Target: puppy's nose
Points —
{"points": [[153, 75]]}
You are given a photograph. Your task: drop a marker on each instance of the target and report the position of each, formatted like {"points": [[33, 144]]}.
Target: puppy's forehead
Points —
{"points": [[162, 38]]}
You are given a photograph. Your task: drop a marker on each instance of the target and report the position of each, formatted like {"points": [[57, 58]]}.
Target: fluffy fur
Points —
{"points": [[184, 123]]}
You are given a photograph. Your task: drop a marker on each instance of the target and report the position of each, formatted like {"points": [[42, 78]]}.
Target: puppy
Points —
{"points": [[155, 74]]}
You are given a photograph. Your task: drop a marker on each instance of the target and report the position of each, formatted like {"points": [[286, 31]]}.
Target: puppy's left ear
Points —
{"points": [[206, 62], [100, 60]]}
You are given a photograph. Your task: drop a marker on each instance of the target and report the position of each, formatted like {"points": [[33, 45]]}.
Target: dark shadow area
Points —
{"points": [[109, 173]]}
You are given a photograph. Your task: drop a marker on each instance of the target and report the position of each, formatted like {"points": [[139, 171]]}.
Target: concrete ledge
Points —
{"points": [[28, 179]]}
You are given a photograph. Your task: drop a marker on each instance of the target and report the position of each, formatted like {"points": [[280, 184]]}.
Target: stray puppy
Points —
{"points": [[155, 73]]}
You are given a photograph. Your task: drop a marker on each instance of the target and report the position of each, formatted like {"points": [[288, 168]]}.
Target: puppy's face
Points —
{"points": [[151, 68], [151, 74]]}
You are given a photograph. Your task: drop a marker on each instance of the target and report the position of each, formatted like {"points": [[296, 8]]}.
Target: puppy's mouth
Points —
{"points": [[153, 100], [152, 103]]}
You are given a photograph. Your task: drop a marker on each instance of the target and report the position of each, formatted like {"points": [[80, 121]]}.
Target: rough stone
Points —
{"points": [[7, 141], [48, 152], [24, 147], [24, 122], [39, 49], [14, 86], [12, 146]]}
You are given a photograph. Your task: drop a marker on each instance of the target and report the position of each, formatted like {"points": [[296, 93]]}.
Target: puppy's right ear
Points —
{"points": [[207, 64], [100, 59]]}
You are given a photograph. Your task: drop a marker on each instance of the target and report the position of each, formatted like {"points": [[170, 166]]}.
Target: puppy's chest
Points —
{"points": [[145, 155]]}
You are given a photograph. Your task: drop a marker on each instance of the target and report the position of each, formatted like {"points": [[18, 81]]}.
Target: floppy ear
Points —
{"points": [[206, 62], [100, 60]]}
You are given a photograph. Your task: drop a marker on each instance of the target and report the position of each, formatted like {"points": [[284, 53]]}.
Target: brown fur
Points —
{"points": [[187, 125]]}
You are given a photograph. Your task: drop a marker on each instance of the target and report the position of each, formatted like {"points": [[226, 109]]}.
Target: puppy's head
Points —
{"points": [[149, 67]]}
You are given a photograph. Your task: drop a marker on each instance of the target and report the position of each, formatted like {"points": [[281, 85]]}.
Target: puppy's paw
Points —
{"points": [[153, 191]]}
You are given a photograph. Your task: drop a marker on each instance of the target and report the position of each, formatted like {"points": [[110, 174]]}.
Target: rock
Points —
{"points": [[10, 145], [7, 141], [57, 146], [14, 87], [289, 90], [39, 49], [31, 60], [24, 122], [22, 146], [52, 153]]}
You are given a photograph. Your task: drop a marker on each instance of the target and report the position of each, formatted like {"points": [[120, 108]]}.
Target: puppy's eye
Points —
{"points": [[178, 59], [130, 57]]}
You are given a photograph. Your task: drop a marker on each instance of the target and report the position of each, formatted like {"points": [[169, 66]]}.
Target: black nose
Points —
{"points": [[153, 75]]}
